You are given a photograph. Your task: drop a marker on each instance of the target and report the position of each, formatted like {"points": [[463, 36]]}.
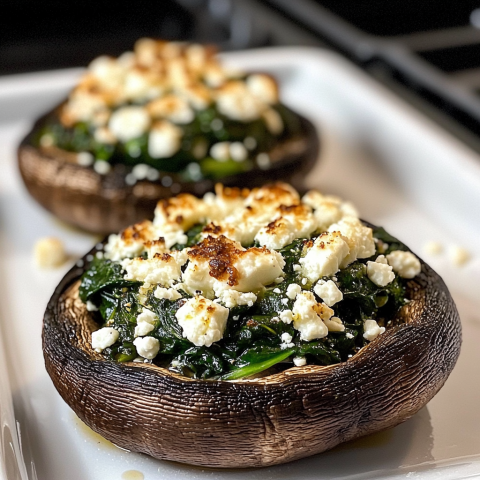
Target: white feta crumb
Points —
{"points": [[263, 161], [85, 159], [49, 252], [102, 167], [140, 171], [91, 307], [164, 139], [103, 338], [277, 290], [153, 174], [406, 264], [334, 324], [146, 321], [433, 248], [299, 361], [286, 337], [293, 290], [147, 347], [220, 151], [358, 237], [308, 317], [349, 335], [372, 330], [323, 259], [167, 293], [286, 341], [284, 301], [297, 268], [238, 151], [328, 292], [286, 316], [162, 269], [459, 255], [381, 259], [231, 298], [379, 273], [203, 321], [129, 122]]}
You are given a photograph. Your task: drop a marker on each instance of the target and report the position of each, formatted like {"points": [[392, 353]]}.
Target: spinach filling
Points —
{"points": [[207, 128], [252, 342]]}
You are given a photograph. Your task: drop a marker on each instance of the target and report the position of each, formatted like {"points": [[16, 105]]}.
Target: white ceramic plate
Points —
{"points": [[399, 168]]}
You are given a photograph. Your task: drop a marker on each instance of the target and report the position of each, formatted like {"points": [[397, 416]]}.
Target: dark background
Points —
{"points": [[427, 51]]}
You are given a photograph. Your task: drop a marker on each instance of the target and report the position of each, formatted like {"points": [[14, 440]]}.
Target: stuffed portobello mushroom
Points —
{"points": [[166, 118], [249, 328]]}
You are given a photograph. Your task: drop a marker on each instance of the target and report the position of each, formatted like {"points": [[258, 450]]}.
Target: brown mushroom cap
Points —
{"points": [[252, 423], [104, 204]]}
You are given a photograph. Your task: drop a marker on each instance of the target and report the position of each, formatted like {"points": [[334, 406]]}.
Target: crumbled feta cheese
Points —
{"points": [[299, 361], [172, 108], [323, 259], [103, 338], [130, 242], [203, 321], [147, 347], [372, 330], [334, 324], [406, 264], [167, 293], [433, 248], [231, 298], [154, 247], [276, 234], [349, 335], [328, 292], [293, 290], [459, 255], [286, 341], [161, 269], [85, 159], [238, 151], [91, 307], [358, 237], [102, 167], [258, 267], [129, 122], [308, 316], [49, 252], [220, 151], [179, 213], [380, 274], [286, 316], [263, 86], [294, 221], [164, 139], [145, 323], [237, 103], [140, 171], [381, 259]]}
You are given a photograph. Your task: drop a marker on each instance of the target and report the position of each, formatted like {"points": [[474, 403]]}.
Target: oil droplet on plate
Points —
{"points": [[132, 475], [91, 435]]}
